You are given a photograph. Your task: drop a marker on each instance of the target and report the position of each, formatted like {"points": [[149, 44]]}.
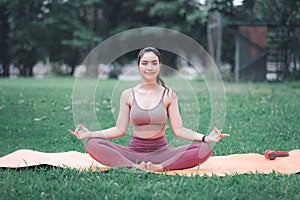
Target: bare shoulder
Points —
{"points": [[127, 92], [170, 96], [126, 95]]}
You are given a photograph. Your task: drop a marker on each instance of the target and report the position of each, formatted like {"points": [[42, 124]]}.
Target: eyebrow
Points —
{"points": [[149, 61]]}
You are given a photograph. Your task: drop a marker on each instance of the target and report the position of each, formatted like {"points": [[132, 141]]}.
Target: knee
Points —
{"points": [[91, 143], [205, 151], [208, 149]]}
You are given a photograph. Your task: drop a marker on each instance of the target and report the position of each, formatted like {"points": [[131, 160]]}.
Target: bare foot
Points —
{"points": [[149, 166], [142, 166], [152, 167]]}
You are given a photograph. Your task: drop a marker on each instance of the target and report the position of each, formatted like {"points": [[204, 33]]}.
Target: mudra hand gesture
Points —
{"points": [[215, 136], [81, 132]]}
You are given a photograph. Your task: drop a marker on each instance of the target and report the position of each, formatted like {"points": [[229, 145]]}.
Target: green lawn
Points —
{"points": [[258, 117]]}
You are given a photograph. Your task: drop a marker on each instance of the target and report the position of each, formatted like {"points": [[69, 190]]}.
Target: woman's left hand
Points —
{"points": [[215, 136]]}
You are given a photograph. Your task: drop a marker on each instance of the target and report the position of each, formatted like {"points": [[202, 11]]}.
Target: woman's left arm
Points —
{"points": [[187, 134]]}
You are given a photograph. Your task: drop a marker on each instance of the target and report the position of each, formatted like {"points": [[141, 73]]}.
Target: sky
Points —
{"points": [[235, 2]]}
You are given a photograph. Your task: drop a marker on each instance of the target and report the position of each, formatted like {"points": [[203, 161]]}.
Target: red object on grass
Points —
{"points": [[272, 155]]}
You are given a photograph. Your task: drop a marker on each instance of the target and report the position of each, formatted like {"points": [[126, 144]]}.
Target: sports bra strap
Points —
{"points": [[161, 96], [133, 93]]}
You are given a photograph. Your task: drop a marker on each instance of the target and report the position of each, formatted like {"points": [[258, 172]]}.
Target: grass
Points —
{"points": [[36, 114]]}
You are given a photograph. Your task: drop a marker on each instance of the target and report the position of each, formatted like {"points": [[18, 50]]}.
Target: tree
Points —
{"points": [[4, 30], [184, 16], [286, 14], [69, 31], [24, 45], [65, 31], [59, 30]]}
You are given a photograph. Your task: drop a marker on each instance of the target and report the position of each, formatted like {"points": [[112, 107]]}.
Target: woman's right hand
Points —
{"points": [[81, 132]]}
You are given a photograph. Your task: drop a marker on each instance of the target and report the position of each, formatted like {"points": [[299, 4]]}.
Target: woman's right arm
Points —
{"points": [[117, 131]]}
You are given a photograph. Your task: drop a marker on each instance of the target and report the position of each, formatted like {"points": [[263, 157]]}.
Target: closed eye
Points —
{"points": [[153, 63]]}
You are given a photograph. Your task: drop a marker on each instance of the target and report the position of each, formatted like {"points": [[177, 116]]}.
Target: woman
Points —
{"points": [[147, 106]]}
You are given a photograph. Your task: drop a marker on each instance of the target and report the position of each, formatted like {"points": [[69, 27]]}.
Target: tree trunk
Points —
{"points": [[4, 30], [30, 71], [72, 70]]}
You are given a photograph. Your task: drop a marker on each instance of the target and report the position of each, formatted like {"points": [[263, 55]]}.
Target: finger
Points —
{"points": [[225, 135], [78, 127], [215, 130], [73, 133], [81, 126], [76, 131]]}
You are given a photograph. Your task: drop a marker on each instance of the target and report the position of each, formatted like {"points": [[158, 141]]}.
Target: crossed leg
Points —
{"points": [[183, 157]]}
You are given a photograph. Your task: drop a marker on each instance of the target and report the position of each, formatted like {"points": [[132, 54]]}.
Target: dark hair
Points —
{"points": [[148, 49], [157, 53]]}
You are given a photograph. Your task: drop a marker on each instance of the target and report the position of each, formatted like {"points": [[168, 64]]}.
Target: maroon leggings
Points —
{"points": [[156, 151]]}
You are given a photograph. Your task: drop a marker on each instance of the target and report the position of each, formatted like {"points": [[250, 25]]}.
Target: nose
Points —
{"points": [[149, 67]]}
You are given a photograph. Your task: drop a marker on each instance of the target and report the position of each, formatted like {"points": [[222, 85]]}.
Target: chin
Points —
{"points": [[148, 79]]}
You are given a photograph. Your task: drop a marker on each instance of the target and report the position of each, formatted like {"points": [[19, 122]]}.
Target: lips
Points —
{"points": [[149, 73]]}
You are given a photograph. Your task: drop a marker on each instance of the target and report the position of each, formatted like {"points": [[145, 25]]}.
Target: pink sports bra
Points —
{"points": [[153, 119]]}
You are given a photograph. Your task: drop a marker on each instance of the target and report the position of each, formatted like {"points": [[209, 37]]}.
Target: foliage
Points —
{"points": [[24, 34], [286, 14], [64, 31], [4, 26]]}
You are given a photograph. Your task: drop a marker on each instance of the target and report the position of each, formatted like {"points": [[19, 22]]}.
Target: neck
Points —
{"points": [[148, 85]]}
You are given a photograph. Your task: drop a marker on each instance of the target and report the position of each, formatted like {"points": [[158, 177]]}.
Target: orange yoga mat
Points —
{"points": [[233, 164]]}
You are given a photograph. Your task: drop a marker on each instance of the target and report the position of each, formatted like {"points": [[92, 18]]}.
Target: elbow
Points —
{"points": [[177, 132], [121, 132], [180, 132]]}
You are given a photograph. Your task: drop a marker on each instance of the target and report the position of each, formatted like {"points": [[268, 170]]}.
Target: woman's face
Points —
{"points": [[149, 66]]}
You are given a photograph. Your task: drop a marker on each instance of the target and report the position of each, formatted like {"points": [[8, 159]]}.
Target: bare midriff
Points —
{"points": [[149, 134]]}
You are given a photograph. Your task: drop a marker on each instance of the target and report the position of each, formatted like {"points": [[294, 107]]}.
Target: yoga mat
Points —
{"points": [[233, 164], [71, 159]]}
